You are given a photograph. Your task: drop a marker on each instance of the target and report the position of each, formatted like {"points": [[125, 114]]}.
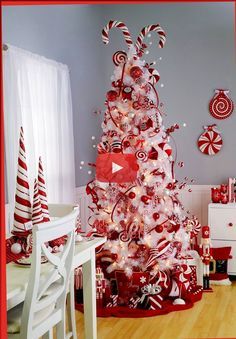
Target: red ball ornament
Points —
{"points": [[126, 144], [170, 186], [144, 199], [112, 95], [156, 216], [132, 195], [136, 72], [159, 228]]}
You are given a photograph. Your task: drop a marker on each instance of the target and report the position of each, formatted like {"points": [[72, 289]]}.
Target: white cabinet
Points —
{"points": [[222, 222]]}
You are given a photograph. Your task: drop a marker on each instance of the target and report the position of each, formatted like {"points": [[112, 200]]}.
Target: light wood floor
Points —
{"points": [[212, 317]]}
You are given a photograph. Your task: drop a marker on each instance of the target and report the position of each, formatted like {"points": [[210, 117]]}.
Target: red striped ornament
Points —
{"points": [[42, 192], [154, 75], [37, 215], [22, 212], [210, 142]]}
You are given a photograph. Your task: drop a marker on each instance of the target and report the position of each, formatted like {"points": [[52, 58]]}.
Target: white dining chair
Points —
{"points": [[56, 211], [45, 301]]}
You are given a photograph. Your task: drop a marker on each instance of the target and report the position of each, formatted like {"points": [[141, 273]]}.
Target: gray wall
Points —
{"points": [[199, 56]]}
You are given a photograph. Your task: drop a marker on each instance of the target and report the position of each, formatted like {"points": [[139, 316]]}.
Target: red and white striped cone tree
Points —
{"points": [[42, 192], [37, 215], [22, 213]]}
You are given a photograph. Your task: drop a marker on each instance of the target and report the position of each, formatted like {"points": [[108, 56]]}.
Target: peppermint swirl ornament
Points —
{"points": [[221, 106], [119, 57], [210, 142], [141, 155]]}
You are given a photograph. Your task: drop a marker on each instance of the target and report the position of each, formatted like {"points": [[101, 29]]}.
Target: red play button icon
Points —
{"points": [[118, 168]]}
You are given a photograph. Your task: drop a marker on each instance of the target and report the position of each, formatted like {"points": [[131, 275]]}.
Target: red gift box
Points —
{"points": [[155, 302]]}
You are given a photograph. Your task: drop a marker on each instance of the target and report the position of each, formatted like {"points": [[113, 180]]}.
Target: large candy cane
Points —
{"points": [[121, 26], [156, 28]]}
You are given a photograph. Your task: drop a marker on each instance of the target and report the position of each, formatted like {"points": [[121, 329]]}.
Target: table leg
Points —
{"points": [[89, 292]]}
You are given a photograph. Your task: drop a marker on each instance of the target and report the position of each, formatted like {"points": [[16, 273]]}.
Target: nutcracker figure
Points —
{"points": [[100, 286], [206, 256]]}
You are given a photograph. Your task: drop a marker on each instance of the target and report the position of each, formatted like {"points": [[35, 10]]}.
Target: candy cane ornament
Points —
{"points": [[155, 28], [122, 27]]}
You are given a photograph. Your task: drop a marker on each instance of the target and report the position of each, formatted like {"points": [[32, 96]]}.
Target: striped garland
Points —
{"points": [[42, 192], [22, 212]]}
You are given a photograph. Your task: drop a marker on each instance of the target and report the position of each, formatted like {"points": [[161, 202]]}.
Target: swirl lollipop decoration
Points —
{"points": [[141, 155], [119, 57], [221, 106], [155, 28], [122, 27]]}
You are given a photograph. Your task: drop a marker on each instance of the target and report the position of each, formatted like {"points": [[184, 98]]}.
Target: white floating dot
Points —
{"points": [[80, 167], [160, 58], [154, 62], [149, 35], [82, 162], [162, 85], [89, 172], [94, 146], [184, 124], [147, 52], [93, 137], [150, 43]]}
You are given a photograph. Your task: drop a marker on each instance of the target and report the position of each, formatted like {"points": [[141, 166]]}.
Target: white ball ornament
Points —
{"points": [[93, 137], [82, 162], [16, 248]]}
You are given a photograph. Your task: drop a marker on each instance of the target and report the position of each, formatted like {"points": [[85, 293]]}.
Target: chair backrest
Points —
{"points": [[48, 283]]}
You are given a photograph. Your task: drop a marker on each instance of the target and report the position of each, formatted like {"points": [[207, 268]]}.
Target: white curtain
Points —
{"points": [[37, 96]]}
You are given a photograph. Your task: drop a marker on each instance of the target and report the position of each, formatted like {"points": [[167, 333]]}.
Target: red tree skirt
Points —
{"points": [[126, 312]]}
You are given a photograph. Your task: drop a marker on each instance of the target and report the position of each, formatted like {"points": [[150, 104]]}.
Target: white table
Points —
{"points": [[18, 276]]}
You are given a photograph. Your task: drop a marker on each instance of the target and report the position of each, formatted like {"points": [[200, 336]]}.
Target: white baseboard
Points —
{"points": [[195, 201]]}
